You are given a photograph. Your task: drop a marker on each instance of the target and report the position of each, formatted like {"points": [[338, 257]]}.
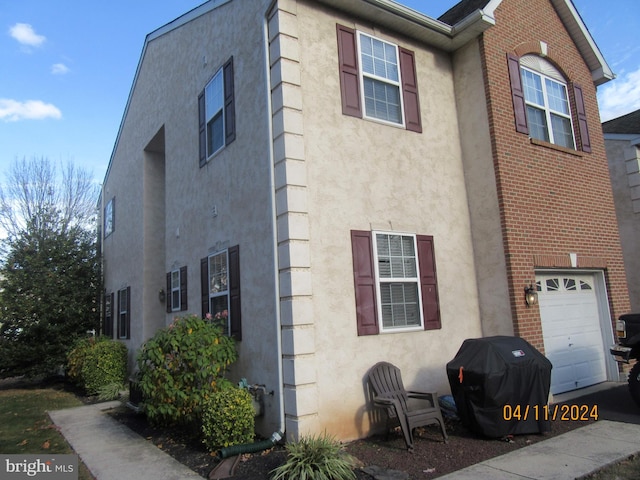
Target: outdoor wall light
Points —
{"points": [[161, 295], [530, 295]]}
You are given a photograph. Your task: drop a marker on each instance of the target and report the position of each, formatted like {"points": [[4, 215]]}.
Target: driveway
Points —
{"points": [[612, 398]]}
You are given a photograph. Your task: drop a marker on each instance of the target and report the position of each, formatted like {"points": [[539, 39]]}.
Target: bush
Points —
{"points": [[315, 458], [228, 418], [97, 362], [180, 367]]}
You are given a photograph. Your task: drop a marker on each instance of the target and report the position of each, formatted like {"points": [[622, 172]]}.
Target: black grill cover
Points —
{"points": [[499, 374]]}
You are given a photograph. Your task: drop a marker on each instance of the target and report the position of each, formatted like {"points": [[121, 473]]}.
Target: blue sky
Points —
{"points": [[66, 68]]}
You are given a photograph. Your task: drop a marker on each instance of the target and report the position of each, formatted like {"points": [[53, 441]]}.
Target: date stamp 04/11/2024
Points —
{"points": [[558, 412]]}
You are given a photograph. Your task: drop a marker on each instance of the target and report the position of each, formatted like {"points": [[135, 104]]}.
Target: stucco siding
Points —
{"points": [[475, 138], [624, 168], [202, 210], [371, 176]]}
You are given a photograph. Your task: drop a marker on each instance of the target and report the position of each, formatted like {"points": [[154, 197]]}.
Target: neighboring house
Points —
{"points": [[622, 141], [354, 182]]}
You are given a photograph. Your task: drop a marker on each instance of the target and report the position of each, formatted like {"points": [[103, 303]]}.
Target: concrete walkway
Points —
{"points": [[565, 457], [112, 451]]}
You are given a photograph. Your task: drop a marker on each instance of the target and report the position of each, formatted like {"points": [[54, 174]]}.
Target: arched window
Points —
{"points": [[547, 101]]}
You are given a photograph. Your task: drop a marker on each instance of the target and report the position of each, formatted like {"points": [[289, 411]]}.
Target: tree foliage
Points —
{"points": [[49, 281]]}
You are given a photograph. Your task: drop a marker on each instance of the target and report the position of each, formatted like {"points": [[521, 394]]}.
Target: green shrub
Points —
{"points": [[228, 418], [180, 367], [75, 359], [96, 362], [315, 458]]}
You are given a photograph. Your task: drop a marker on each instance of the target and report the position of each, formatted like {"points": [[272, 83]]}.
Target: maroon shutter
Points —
{"points": [[428, 282], [410, 90], [128, 315], [582, 118], [365, 282], [183, 288], [111, 315], [235, 311], [204, 285], [202, 129], [229, 103], [349, 81], [168, 296], [119, 322], [517, 93]]}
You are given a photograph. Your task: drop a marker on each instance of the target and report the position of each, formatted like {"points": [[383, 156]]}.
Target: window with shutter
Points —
{"points": [[542, 105], [395, 282], [380, 76], [216, 113], [220, 284]]}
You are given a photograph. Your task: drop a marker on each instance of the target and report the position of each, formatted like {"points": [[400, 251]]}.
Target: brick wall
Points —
{"points": [[554, 201]]}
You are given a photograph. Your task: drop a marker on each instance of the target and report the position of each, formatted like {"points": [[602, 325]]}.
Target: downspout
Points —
{"points": [[279, 434]]}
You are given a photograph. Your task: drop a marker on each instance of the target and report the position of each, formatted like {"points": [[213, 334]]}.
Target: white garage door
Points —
{"points": [[573, 339]]}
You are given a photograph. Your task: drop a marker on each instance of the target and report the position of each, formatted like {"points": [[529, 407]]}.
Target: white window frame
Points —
{"points": [[214, 107], [551, 74], [412, 280], [219, 286], [398, 84], [176, 304]]}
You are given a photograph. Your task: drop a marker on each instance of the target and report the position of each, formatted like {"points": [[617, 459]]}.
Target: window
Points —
{"points": [[542, 104], [124, 313], [177, 290], [395, 282], [107, 326], [109, 217], [216, 113], [379, 75], [220, 283]]}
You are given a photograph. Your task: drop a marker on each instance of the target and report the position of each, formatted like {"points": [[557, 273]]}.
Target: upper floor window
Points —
{"points": [[214, 109], [378, 80], [216, 113], [543, 105], [545, 93], [109, 217]]}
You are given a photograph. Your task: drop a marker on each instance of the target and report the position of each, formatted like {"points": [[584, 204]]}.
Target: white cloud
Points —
{"points": [[620, 96], [59, 69], [24, 33], [12, 110]]}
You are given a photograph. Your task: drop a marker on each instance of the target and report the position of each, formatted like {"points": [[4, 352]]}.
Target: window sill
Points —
{"points": [[552, 146]]}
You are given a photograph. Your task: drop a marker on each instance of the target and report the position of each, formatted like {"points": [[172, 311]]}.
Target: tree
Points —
{"points": [[49, 278], [35, 187]]}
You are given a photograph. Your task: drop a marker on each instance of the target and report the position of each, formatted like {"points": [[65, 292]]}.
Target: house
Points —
{"points": [[354, 182], [622, 141]]}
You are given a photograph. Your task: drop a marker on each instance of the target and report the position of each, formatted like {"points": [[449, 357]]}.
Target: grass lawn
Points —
{"points": [[25, 427]]}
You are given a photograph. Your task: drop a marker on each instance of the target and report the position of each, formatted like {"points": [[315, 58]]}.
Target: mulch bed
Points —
{"points": [[431, 457]]}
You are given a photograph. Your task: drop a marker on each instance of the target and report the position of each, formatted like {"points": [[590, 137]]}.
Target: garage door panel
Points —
{"points": [[571, 331]]}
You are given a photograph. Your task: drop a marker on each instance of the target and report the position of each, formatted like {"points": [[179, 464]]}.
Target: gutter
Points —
{"points": [[274, 227]]}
